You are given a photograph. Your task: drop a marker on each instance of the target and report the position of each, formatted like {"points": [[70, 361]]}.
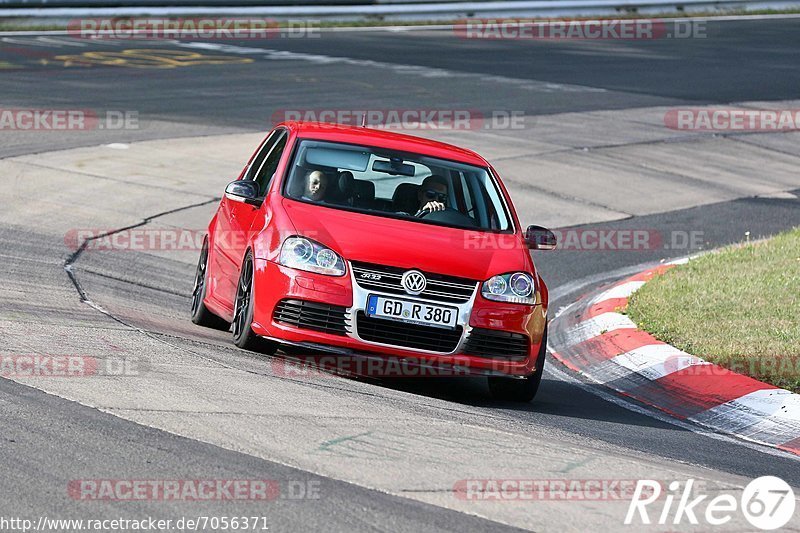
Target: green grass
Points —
{"points": [[738, 307]]}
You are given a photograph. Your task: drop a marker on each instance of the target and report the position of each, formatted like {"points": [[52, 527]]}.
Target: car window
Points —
{"points": [[393, 184], [270, 164], [266, 161], [255, 164]]}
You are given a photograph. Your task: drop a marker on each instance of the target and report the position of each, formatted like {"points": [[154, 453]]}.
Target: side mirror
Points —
{"points": [[539, 238], [245, 191]]}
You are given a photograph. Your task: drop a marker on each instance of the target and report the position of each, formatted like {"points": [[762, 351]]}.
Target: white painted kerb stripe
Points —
{"points": [[655, 361], [598, 325], [776, 403], [769, 416], [681, 261], [623, 290]]}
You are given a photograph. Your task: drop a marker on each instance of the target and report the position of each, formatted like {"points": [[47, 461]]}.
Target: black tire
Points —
{"points": [[200, 313], [520, 389], [243, 335]]}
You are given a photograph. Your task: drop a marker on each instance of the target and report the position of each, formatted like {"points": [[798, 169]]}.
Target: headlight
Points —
{"points": [[305, 254], [516, 287]]}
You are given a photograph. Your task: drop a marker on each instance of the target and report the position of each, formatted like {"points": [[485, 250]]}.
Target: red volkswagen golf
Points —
{"points": [[359, 242]]}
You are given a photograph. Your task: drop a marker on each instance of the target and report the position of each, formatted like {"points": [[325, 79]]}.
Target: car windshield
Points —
{"points": [[394, 184]]}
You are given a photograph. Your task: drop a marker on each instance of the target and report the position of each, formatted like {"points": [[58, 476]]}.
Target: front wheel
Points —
{"points": [[243, 335], [520, 389]]}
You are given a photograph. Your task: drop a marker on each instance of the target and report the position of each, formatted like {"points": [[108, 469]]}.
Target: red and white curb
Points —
{"points": [[593, 338]]}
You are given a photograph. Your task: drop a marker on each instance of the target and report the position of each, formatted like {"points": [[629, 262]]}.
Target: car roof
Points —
{"points": [[384, 139]]}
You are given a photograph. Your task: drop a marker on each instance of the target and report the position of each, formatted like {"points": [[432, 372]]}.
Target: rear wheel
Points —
{"points": [[243, 335], [200, 313], [520, 389]]}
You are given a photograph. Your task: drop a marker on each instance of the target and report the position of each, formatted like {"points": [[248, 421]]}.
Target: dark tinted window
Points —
{"points": [[266, 161], [387, 183]]}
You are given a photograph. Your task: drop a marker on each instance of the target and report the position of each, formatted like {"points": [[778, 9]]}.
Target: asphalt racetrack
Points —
{"points": [[592, 153]]}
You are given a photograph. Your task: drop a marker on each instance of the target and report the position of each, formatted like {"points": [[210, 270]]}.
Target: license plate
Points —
{"points": [[412, 312]]}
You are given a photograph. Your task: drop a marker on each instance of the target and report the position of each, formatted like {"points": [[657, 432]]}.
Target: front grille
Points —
{"points": [[312, 315], [441, 288], [407, 335], [494, 344]]}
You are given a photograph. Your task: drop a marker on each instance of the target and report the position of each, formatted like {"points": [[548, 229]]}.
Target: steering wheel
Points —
{"points": [[448, 215]]}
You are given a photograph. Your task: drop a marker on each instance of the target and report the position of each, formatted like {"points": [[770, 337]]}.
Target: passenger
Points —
{"points": [[432, 194], [316, 185]]}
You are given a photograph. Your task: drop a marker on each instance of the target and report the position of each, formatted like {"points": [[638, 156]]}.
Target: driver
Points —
{"points": [[432, 194], [316, 184]]}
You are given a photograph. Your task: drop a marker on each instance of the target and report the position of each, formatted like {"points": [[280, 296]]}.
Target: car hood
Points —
{"points": [[407, 244]]}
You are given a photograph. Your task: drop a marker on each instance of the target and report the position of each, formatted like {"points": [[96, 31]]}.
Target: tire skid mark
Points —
{"points": [[84, 297]]}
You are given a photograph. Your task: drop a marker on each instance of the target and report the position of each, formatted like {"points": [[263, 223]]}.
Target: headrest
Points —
{"points": [[405, 198], [364, 190], [345, 183], [297, 184]]}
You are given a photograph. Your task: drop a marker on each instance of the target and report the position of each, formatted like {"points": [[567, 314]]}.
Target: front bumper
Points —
{"points": [[274, 283]]}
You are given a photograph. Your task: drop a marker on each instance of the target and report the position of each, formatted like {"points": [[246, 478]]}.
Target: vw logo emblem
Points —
{"points": [[414, 282]]}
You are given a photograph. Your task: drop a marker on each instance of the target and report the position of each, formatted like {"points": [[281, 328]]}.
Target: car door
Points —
{"points": [[235, 219]]}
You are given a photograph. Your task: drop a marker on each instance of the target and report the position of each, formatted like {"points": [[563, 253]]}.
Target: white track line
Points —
{"points": [[446, 27]]}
